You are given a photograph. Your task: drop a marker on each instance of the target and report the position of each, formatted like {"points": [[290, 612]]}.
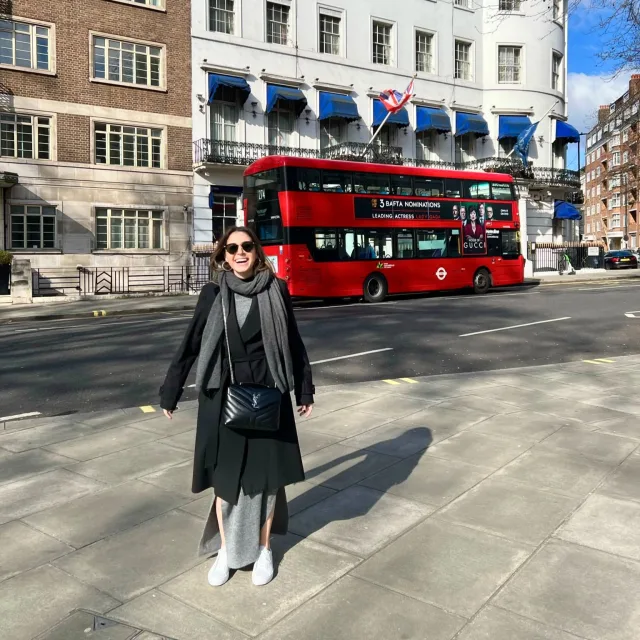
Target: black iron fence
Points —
{"points": [[119, 280], [244, 153], [561, 257]]}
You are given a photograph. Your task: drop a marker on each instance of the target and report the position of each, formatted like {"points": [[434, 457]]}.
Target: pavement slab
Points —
{"points": [[506, 508], [23, 548], [393, 406], [600, 447], [345, 423], [96, 516], [478, 403], [302, 495], [41, 436], [46, 490], [587, 413], [524, 425], [352, 609], [591, 594], [625, 481], [136, 462], [445, 564], [182, 421], [306, 569], [427, 479], [310, 440], [358, 520], [165, 615], [392, 440], [35, 601], [607, 524], [127, 564], [200, 507], [627, 427], [177, 478], [186, 441], [18, 466], [82, 624]]}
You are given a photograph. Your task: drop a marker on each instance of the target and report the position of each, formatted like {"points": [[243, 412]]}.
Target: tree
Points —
{"points": [[618, 23]]}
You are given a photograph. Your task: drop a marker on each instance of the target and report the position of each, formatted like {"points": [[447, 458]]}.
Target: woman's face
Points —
{"points": [[473, 215], [240, 253]]}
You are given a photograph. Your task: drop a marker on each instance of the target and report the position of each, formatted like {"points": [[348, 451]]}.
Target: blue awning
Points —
{"points": [[275, 93], [566, 133], [337, 105], [235, 82], [471, 123], [512, 126], [565, 211], [401, 118], [430, 119]]}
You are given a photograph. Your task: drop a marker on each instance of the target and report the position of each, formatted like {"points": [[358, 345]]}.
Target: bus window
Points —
{"points": [[404, 242], [347, 245], [432, 244], [427, 188], [510, 244], [452, 188], [336, 182], [401, 185], [366, 249], [385, 245], [308, 179], [453, 247], [494, 244], [371, 183], [501, 191], [326, 245], [476, 190]]}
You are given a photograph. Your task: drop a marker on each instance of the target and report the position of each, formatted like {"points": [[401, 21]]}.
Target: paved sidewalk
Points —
{"points": [[501, 506], [60, 308]]}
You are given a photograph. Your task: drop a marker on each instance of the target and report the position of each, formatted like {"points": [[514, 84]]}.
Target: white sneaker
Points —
{"points": [[219, 572], [263, 568]]}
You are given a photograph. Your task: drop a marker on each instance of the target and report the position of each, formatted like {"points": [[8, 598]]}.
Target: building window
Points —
{"points": [[424, 52], [612, 107], [224, 214], [129, 229], [509, 59], [598, 171], [225, 115], [24, 45], [426, 142], [598, 154], [462, 60], [625, 157], [615, 220], [221, 16], [509, 5], [614, 182], [24, 136], [556, 72], [597, 190], [333, 131], [465, 148], [506, 146], [615, 158], [466, 4], [281, 124], [625, 135], [128, 146], [615, 140], [381, 43], [277, 23], [330, 34], [149, 3], [127, 62], [614, 201], [557, 9], [33, 227]]}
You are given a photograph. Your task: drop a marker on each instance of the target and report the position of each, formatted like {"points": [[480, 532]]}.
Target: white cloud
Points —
{"points": [[587, 92]]}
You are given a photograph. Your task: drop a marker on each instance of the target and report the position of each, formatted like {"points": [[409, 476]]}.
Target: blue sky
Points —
{"points": [[590, 83]]}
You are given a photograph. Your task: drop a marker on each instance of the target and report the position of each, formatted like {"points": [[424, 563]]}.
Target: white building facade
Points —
{"points": [[271, 77]]}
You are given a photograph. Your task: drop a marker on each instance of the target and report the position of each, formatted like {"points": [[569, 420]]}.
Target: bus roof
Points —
{"points": [[273, 162]]}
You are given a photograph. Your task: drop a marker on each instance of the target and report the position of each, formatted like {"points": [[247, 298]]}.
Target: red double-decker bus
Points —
{"points": [[350, 229]]}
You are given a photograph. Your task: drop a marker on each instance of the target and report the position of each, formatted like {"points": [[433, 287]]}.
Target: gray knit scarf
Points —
{"points": [[273, 321]]}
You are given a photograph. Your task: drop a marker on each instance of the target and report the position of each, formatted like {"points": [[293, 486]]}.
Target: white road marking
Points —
{"points": [[358, 305], [515, 326], [20, 415], [611, 286], [632, 314], [191, 386], [93, 325], [353, 355]]}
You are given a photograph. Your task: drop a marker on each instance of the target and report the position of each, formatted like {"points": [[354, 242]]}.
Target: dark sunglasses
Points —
{"points": [[247, 247]]}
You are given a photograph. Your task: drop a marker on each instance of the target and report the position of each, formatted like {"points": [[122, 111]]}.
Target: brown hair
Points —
{"points": [[217, 257]]}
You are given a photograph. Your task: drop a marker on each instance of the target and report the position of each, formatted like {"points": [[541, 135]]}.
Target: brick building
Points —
{"points": [[611, 166], [95, 120]]}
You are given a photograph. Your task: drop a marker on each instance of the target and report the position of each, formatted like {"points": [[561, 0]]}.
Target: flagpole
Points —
{"points": [[375, 135], [540, 120]]}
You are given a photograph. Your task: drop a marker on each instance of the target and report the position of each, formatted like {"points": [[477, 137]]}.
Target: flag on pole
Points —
{"points": [[521, 148], [394, 100]]}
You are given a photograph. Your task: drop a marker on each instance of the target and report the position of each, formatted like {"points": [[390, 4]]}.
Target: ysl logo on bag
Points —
{"points": [[255, 399]]}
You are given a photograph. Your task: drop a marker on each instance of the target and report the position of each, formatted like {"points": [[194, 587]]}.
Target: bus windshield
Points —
{"points": [[263, 206]]}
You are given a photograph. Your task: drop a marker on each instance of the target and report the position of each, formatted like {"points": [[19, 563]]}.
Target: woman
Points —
{"points": [[247, 470]]}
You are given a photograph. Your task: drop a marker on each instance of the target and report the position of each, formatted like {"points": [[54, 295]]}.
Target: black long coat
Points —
{"points": [[225, 459]]}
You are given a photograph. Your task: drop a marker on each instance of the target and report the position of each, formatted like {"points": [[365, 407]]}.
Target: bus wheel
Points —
{"points": [[481, 281], [375, 288]]}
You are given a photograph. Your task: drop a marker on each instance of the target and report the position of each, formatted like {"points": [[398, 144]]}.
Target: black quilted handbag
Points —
{"points": [[249, 407]]}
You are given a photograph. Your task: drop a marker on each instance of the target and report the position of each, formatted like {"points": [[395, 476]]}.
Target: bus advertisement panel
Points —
{"points": [[350, 229]]}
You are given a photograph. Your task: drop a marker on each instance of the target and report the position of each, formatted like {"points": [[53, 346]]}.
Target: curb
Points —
{"points": [[93, 313]]}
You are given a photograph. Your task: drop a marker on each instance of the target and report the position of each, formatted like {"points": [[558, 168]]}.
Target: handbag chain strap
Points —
{"points": [[226, 336]]}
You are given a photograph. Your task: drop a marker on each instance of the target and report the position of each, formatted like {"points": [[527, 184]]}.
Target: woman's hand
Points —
{"points": [[305, 410], [169, 414]]}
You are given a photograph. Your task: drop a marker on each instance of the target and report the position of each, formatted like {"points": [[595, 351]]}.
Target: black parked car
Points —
{"points": [[620, 260]]}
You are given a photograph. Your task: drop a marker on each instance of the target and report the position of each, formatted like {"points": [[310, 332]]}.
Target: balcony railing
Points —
{"points": [[244, 153]]}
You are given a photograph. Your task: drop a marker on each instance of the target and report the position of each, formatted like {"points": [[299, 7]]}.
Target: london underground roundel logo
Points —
{"points": [[441, 273]]}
